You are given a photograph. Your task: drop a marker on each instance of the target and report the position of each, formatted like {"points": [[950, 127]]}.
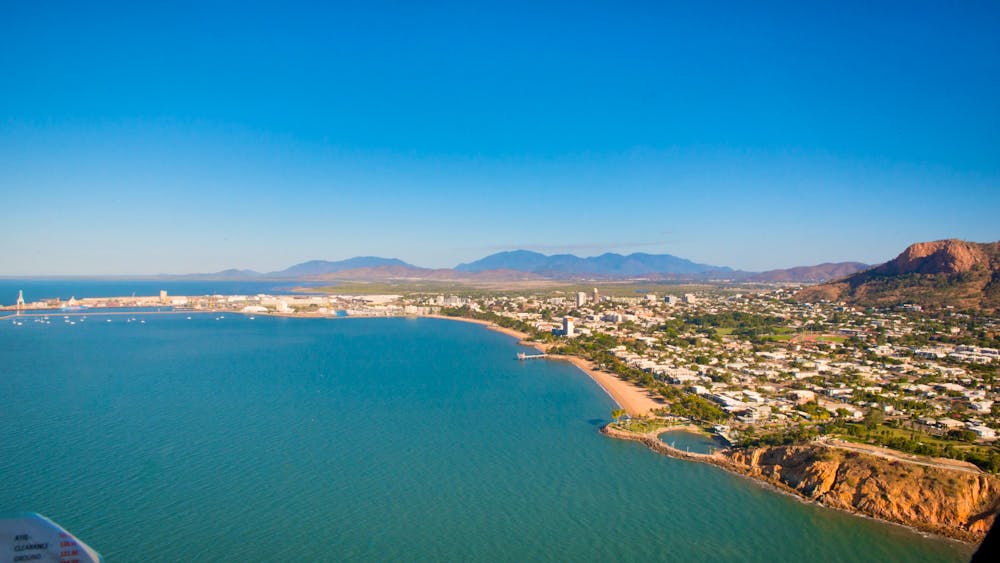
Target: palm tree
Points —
{"points": [[617, 413]]}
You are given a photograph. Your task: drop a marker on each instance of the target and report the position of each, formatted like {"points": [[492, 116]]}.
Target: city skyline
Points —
{"points": [[183, 139]]}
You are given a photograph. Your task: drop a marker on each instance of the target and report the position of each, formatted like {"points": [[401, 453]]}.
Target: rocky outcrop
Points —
{"points": [[951, 256], [942, 273], [930, 498], [935, 499]]}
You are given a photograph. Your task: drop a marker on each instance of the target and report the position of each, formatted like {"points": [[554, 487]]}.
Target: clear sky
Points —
{"points": [[193, 137]]}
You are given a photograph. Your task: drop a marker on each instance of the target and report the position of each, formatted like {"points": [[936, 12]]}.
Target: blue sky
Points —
{"points": [[202, 136]]}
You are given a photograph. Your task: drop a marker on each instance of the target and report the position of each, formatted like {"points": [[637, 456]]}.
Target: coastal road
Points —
{"points": [[893, 455]]}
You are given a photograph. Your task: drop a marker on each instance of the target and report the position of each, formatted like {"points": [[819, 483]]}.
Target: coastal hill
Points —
{"points": [[942, 273], [608, 264]]}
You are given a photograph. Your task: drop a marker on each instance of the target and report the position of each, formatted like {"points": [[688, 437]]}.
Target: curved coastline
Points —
{"points": [[631, 398], [635, 400], [638, 402]]}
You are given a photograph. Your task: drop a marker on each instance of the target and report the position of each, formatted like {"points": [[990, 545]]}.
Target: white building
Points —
{"points": [[612, 317], [581, 298], [568, 329], [983, 431]]}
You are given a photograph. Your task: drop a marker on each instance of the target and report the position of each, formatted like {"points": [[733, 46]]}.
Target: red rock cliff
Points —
{"points": [[934, 499]]}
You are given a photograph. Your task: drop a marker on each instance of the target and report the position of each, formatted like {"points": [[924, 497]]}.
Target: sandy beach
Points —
{"points": [[636, 400]]}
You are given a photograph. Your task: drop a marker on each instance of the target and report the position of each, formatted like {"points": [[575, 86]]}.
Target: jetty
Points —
{"points": [[523, 356]]}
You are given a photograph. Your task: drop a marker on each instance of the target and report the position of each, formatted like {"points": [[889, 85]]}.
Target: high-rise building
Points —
{"points": [[568, 329], [690, 298], [671, 300], [597, 297], [581, 298]]}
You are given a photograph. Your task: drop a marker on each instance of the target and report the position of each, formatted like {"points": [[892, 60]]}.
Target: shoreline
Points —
{"points": [[635, 400], [652, 441], [520, 336]]}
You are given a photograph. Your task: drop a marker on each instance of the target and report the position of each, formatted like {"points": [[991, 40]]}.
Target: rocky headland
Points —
{"points": [[929, 497]]}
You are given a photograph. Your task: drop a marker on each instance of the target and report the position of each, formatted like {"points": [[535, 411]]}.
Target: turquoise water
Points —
{"points": [[691, 441], [366, 439]]}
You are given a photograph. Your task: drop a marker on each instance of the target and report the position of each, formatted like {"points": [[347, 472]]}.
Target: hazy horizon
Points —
{"points": [[191, 138], [410, 263]]}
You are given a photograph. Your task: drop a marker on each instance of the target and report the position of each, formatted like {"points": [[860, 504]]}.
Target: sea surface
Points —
{"points": [[36, 290], [277, 439], [691, 441]]}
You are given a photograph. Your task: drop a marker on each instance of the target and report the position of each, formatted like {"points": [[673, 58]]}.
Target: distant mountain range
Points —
{"points": [[525, 265], [608, 264], [321, 267], [810, 274], [952, 272], [955, 273], [304, 270]]}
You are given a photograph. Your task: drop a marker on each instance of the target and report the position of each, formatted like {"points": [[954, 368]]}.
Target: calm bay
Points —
{"points": [[225, 438]]}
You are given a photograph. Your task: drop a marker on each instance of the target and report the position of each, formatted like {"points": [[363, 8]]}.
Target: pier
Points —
{"points": [[523, 356]]}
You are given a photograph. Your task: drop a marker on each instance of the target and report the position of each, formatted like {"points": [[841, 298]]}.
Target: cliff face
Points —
{"points": [[934, 499]]}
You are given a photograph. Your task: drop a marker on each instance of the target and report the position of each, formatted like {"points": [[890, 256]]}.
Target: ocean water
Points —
{"points": [[366, 439], [691, 441], [35, 290]]}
